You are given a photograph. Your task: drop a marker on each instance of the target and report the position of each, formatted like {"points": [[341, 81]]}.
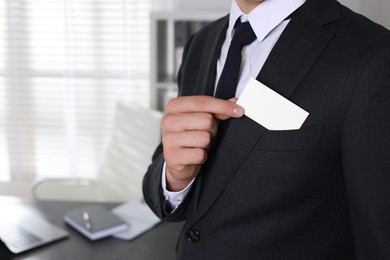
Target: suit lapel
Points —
{"points": [[294, 54], [206, 77], [230, 150], [290, 60]]}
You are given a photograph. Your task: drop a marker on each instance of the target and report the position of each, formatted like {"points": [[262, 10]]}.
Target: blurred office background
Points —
{"points": [[70, 73]]}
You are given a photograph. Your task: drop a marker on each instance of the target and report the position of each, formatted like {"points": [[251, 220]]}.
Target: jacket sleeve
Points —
{"points": [[366, 158], [151, 185]]}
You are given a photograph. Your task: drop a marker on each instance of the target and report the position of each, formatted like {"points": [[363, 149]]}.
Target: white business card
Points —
{"points": [[269, 108]]}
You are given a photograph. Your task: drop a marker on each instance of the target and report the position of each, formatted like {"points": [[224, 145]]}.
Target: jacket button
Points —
{"points": [[193, 235], [156, 209]]}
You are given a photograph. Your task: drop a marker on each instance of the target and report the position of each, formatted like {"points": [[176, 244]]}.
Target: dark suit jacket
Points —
{"points": [[321, 192]]}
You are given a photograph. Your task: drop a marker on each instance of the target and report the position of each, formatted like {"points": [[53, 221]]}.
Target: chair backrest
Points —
{"points": [[136, 134]]}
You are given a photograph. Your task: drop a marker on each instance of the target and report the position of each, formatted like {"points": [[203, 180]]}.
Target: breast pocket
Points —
{"points": [[307, 138]]}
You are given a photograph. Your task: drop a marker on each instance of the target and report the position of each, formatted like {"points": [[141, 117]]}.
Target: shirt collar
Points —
{"points": [[265, 17]]}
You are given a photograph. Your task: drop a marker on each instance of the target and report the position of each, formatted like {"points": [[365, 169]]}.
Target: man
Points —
{"points": [[320, 192]]}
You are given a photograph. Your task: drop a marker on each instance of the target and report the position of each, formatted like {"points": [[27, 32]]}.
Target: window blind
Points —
{"points": [[64, 64]]}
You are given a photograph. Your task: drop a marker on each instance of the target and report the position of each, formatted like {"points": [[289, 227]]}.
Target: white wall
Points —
{"points": [[376, 10], [210, 5], [353, 4]]}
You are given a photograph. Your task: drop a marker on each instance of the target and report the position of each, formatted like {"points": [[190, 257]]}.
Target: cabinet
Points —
{"points": [[170, 31]]}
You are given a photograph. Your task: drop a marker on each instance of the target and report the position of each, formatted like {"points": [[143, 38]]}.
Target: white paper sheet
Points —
{"points": [[139, 217], [270, 109]]}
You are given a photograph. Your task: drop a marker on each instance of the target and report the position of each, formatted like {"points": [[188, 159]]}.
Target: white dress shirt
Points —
{"points": [[268, 22]]}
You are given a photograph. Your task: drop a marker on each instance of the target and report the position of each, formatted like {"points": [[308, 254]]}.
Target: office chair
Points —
{"points": [[135, 135]]}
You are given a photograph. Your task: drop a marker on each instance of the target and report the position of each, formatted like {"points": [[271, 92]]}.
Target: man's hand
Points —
{"points": [[188, 128]]}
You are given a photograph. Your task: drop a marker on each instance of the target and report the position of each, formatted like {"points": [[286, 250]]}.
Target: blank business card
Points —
{"points": [[270, 109]]}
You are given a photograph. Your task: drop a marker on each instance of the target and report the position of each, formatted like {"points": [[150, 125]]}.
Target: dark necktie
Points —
{"points": [[227, 84]]}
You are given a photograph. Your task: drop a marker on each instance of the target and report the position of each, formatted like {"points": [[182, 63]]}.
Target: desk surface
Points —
{"points": [[158, 243]]}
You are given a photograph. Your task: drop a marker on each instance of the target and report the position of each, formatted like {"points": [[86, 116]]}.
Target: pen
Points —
{"points": [[87, 220]]}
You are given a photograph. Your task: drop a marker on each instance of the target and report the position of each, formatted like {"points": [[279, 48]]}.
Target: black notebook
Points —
{"points": [[95, 222]]}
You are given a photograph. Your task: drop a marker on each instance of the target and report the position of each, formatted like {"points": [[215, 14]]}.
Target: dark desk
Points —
{"points": [[158, 243]]}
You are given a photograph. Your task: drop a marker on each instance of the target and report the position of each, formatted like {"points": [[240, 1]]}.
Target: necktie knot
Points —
{"points": [[243, 34]]}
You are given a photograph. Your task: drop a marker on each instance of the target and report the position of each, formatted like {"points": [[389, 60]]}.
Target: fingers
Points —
{"points": [[221, 109], [189, 139], [188, 128], [191, 122], [187, 156]]}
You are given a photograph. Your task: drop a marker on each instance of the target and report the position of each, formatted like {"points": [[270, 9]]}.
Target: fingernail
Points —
{"points": [[238, 111]]}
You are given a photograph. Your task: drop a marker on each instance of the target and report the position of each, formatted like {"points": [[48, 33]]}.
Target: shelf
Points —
{"points": [[170, 31]]}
